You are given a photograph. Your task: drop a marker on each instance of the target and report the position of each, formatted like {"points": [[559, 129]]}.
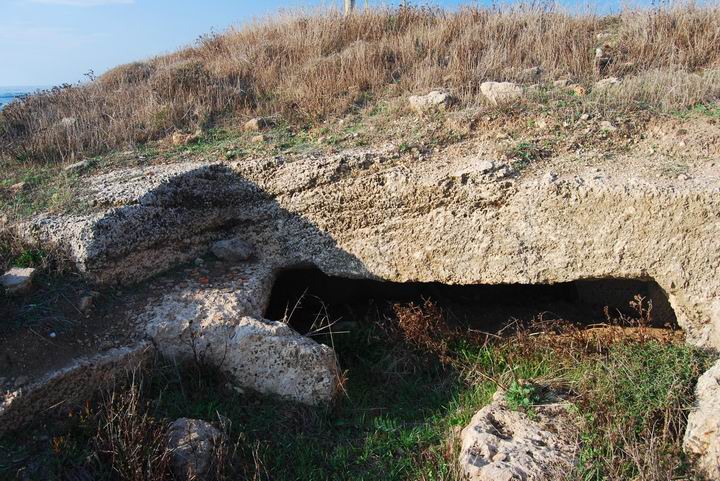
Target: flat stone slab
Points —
{"points": [[501, 444]]}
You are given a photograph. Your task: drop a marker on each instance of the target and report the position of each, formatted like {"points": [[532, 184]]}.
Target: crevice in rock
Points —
{"points": [[302, 296]]}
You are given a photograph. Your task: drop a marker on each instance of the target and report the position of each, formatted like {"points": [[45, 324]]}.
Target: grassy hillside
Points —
{"points": [[306, 68]]}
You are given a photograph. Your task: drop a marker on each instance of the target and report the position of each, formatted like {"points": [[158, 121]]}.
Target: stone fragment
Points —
{"points": [[265, 356], [79, 166], [561, 83], [17, 280], [192, 444], [702, 435], [233, 250], [502, 444], [607, 82], [500, 92], [606, 125], [257, 124], [435, 100]]}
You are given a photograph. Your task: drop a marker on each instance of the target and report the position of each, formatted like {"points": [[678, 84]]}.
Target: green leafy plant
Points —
{"points": [[522, 396]]}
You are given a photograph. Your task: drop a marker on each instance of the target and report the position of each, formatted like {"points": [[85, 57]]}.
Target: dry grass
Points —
{"points": [[307, 67]]}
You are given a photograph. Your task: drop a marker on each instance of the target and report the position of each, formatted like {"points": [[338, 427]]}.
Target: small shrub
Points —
{"points": [[522, 396], [424, 327]]}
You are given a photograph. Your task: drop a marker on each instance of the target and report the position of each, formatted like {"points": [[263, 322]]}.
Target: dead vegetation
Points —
{"points": [[306, 67]]}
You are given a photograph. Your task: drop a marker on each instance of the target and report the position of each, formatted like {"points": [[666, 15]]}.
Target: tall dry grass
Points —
{"points": [[311, 66]]}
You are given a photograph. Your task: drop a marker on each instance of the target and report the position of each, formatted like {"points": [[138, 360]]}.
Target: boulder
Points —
{"points": [[702, 436], [501, 92], [192, 444], [233, 250], [17, 280], [434, 101], [500, 444]]}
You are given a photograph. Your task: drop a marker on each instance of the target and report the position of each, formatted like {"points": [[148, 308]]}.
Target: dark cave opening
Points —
{"points": [[303, 297]]}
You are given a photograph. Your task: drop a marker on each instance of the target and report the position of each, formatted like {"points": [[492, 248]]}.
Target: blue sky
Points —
{"points": [[48, 42]]}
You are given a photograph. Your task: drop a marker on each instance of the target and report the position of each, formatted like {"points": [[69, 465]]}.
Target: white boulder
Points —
{"points": [[702, 436], [500, 444], [501, 92]]}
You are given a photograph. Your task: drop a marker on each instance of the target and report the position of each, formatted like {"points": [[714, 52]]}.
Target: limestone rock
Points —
{"points": [[500, 444], [223, 325], [607, 82], [192, 444], [702, 435], [257, 124], [79, 166], [435, 100], [18, 280], [501, 92], [233, 250]]}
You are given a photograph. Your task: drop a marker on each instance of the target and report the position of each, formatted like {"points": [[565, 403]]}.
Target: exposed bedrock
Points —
{"points": [[373, 214]]}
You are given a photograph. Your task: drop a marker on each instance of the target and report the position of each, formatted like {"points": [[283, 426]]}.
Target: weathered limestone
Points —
{"points": [[69, 385], [17, 280], [192, 444], [434, 101], [374, 214], [500, 92], [702, 436], [500, 444], [222, 324], [233, 250]]}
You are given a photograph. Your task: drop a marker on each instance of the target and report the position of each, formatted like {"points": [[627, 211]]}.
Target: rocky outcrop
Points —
{"points": [[375, 214], [500, 444], [222, 324], [67, 386], [702, 436]]}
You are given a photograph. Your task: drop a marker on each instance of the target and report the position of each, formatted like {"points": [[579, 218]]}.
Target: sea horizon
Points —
{"points": [[11, 92]]}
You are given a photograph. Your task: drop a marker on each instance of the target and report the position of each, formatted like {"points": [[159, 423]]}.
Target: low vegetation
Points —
{"points": [[305, 68], [404, 401]]}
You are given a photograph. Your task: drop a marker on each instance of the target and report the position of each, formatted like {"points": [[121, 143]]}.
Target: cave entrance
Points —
{"points": [[306, 297]]}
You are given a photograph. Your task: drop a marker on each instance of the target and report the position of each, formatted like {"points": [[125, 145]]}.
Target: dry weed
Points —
{"points": [[310, 66]]}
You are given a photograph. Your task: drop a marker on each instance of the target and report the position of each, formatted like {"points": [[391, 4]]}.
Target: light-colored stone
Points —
{"points": [[500, 444], [607, 126], [702, 435], [433, 101], [501, 92], [257, 124], [222, 324], [18, 280], [607, 82], [79, 166], [561, 83], [192, 444], [233, 250]]}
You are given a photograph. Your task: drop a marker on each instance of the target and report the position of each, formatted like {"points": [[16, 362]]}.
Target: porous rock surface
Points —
{"points": [[702, 436], [376, 214], [222, 324], [192, 444], [500, 444]]}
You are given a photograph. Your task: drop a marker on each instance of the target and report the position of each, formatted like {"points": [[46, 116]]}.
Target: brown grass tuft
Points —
{"points": [[308, 67]]}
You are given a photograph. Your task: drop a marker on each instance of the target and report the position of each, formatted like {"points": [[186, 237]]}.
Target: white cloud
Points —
{"points": [[83, 3]]}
